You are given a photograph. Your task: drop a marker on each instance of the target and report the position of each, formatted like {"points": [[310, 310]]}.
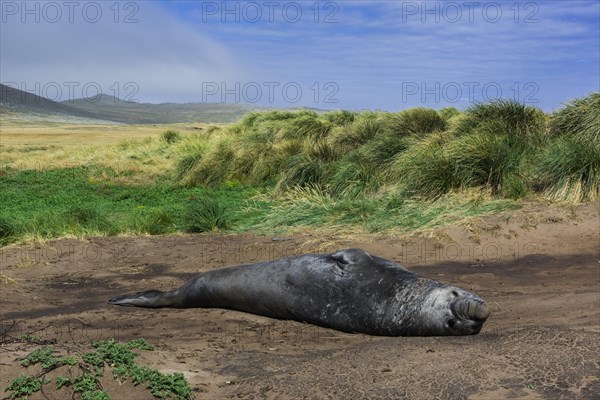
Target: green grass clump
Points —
{"points": [[206, 214], [170, 136], [359, 132], [425, 169], [489, 160], [301, 171], [214, 167], [187, 163], [55, 203], [448, 112], [89, 220], [381, 151], [340, 117], [8, 229], [580, 117], [569, 169], [417, 121], [306, 127], [504, 117], [351, 179], [152, 221]]}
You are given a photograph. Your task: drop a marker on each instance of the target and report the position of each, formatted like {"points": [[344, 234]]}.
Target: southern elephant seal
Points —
{"points": [[350, 291]]}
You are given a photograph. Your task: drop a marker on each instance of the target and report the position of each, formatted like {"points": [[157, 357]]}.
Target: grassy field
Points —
{"points": [[279, 170]]}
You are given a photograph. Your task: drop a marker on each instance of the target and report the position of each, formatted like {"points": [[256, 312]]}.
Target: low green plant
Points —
{"points": [[153, 221], [110, 353], [8, 229], [89, 220], [25, 385], [206, 214]]}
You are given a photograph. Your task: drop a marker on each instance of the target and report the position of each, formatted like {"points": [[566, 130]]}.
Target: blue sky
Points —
{"points": [[388, 55]]}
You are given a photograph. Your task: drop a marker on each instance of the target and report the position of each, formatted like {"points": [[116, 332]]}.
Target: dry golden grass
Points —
{"points": [[122, 147]]}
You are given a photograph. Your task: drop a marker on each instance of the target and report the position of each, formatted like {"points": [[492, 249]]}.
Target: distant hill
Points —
{"points": [[115, 109], [103, 108], [17, 101]]}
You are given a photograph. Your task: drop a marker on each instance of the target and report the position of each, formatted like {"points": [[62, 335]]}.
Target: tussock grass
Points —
{"points": [[417, 120], [425, 169], [349, 137], [151, 221], [170, 136], [206, 214], [302, 171], [351, 179], [340, 117], [9, 229], [373, 170], [568, 168], [580, 117], [504, 117]]}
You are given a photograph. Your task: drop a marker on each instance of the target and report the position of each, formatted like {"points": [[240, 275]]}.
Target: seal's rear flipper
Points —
{"points": [[150, 298]]}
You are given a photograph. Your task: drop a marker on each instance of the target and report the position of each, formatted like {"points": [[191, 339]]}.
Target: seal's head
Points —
{"points": [[454, 311]]}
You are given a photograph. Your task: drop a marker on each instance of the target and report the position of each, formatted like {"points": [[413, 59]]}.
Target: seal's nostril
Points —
{"points": [[454, 293]]}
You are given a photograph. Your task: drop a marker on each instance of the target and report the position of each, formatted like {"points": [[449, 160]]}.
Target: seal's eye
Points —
{"points": [[454, 293], [451, 322]]}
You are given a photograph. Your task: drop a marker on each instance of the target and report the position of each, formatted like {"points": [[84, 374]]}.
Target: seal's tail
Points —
{"points": [[150, 298]]}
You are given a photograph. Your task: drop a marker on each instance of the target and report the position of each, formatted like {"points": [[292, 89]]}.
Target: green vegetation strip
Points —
{"points": [[110, 353], [375, 171]]}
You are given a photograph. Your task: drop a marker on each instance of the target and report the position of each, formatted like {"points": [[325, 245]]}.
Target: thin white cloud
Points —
{"points": [[369, 53]]}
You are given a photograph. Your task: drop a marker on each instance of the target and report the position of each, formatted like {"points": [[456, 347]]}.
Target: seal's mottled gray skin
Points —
{"points": [[350, 291]]}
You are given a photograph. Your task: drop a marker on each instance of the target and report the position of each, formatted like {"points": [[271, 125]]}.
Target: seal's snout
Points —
{"points": [[481, 312], [471, 309]]}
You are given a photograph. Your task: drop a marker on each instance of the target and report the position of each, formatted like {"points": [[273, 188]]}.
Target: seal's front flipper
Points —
{"points": [[352, 256], [150, 298]]}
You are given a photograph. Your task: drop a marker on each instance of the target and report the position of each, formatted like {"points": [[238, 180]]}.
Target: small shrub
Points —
{"points": [[170, 136], [206, 214]]}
